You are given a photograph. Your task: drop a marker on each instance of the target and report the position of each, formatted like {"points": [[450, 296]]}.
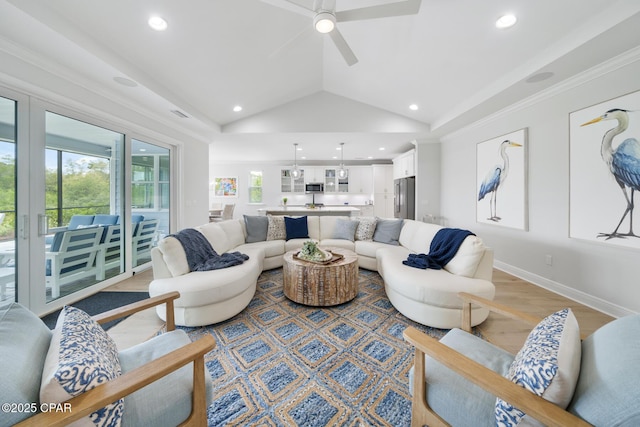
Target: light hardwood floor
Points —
{"points": [[508, 334]]}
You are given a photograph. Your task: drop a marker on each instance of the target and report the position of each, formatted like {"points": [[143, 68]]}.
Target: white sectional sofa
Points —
{"points": [[425, 296]]}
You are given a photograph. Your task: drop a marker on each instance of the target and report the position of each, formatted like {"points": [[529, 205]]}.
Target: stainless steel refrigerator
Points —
{"points": [[404, 200]]}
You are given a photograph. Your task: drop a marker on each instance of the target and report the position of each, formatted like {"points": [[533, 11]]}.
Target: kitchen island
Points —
{"points": [[303, 210]]}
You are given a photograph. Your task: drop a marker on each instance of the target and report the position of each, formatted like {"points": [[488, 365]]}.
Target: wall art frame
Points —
{"points": [[501, 180], [225, 186], [604, 172]]}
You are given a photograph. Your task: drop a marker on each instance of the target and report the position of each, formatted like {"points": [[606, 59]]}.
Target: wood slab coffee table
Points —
{"points": [[316, 284]]}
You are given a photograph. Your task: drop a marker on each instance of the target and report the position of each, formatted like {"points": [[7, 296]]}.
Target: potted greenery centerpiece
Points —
{"points": [[311, 252], [284, 201]]}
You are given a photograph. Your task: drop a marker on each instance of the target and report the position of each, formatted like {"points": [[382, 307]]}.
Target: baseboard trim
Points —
{"points": [[560, 289]]}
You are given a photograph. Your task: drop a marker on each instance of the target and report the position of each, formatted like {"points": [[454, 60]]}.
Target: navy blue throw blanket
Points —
{"points": [[200, 254], [444, 246]]}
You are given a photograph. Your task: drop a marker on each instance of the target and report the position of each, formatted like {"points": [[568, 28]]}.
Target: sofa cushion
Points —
{"points": [[216, 236], [81, 357], [276, 229], [368, 248], [338, 243], [296, 228], [102, 219], [417, 236], [77, 220], [271, 248], [366, 227], [466, 260], [313, 224], [344, 229], [25, 340], [174, 256], [256, 227], [388, 231], [173, 391], [548, 364]]}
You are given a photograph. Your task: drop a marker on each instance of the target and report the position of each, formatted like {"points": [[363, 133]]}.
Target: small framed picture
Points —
{"points": [[225, 187]]}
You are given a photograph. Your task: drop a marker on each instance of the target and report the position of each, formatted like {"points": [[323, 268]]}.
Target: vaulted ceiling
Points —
{"points": [[292, 83]]}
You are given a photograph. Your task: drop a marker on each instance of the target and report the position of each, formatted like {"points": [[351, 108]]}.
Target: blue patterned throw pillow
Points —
{"points": [[81, 356], [548, 365]]}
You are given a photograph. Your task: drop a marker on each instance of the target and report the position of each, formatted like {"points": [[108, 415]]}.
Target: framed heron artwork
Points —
{"points": [[604, 172], [501, 181]]}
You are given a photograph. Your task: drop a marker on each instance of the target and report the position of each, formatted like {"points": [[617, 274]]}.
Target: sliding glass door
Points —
{"points": [[8, 177], [150, 197], [83, 203]]}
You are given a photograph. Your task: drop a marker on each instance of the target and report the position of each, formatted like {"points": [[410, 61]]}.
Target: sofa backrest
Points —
{"points": [[417, 236], [24, 342]]}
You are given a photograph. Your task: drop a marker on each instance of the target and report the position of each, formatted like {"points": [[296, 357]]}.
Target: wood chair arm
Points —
{"points": [[134, 380], [469, 299], [533, 405], [135, 307]]}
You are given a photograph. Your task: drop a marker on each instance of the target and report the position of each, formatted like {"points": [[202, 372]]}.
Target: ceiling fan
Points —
{"points": [[325, 17]]}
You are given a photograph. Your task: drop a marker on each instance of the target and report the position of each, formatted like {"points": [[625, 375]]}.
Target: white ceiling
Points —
{"points": [[292, 83]]}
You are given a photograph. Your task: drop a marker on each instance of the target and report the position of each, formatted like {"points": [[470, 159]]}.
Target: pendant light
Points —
{"points": [[295, 172], [342, 172]]}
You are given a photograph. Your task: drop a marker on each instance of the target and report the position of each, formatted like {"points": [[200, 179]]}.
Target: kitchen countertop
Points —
{"points": [[324, 210]]}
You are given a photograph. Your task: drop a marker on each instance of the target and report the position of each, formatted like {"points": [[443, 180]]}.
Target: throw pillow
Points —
{"points": [[257, 227], [388, 231], [81, 357], [296, 228], [345, 229], [276, 230], [366, 228], [548, 365]]}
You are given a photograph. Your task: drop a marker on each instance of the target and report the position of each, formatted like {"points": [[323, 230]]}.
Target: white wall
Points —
{"points": [[428, 179], [599, 275], [193, 185]]}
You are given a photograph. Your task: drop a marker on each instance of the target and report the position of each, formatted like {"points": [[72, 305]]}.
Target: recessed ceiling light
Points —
{"points": [[506, 21], [381, 148], [369, 157], [142, 150], [338, 148], [125, 82], [334, 157], [157, 23], [299, 148], [303, 157], [413, 107], [237, 108]]}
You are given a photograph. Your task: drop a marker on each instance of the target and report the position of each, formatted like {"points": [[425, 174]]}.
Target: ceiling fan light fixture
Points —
{"points": [[324, 22]]}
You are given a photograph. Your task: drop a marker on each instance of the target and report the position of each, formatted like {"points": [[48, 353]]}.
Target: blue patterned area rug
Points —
{"points": [[279, 363]]}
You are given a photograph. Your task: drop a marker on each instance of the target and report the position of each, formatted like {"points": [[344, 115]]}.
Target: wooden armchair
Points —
{"points": [[609, 357], [18, 384]]}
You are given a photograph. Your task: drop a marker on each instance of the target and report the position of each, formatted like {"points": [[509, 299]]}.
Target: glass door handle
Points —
{"points": [[43, 224], [23, 227]]}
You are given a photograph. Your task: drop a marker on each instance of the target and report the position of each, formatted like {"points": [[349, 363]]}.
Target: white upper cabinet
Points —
{"points": [[313, 174], [383, 178], [405, 165], [361, 179]]}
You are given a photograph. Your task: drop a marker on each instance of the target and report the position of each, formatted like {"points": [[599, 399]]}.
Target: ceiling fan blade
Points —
{"points": [[301, 7], [293, 40], [400, 8], [343, 47]]}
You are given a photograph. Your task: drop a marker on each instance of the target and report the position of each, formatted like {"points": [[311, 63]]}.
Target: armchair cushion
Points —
{"points": [[460, 402], [548, 364], [174, 391], [77, 220], [25, 340], [81, 357]]}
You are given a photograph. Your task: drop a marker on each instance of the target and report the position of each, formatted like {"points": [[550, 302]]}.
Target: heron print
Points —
{"points": [[623, 162], [494, 179]]}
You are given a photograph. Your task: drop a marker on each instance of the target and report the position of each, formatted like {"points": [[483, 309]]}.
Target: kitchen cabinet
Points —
{"points": [[289, 184], [333, 184], [383, 190], [313, 174], [361, 180], [405, 165]]}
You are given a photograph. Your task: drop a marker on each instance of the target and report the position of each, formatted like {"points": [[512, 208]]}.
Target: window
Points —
{"points": [[255, 187]]}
